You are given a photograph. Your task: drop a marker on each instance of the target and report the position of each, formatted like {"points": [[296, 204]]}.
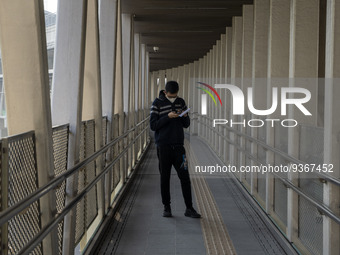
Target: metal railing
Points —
{"points": [[284, 155], [307, 200], [7, 214]]}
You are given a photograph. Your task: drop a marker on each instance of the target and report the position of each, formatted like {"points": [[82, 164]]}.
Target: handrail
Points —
{"points": [[37, 194], [323, 208], [59, 216], [316, 203], [278, 152]]}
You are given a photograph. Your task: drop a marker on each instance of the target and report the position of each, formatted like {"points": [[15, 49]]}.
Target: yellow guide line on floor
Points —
{"points": [[216, 237]]}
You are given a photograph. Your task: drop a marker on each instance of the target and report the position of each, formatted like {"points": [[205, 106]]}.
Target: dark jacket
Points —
{"points": [[168, 131]]}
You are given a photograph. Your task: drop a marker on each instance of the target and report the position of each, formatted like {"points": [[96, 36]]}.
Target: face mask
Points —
{"points": [[171, 99]]}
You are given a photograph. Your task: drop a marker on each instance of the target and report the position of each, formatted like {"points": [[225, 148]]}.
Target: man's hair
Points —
{"points": [[161, 93], [172, 87]]}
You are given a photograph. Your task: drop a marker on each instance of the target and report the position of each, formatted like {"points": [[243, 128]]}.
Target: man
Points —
{"points": [[169, 136]]}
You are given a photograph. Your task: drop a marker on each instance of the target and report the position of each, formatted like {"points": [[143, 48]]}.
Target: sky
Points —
{"points": [[50, 5]]}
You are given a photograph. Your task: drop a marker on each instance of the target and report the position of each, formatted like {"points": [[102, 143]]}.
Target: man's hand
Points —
{"points": [[179, 113], [172, 115]]}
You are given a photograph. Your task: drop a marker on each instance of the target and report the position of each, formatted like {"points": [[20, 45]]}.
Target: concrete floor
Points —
{"points": [[139, 228]]}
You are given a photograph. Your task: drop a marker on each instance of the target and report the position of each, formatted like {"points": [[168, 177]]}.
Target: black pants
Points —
{"points": [[174, 155]]}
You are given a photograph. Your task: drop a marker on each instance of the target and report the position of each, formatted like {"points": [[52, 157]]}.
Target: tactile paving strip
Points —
{"points": [[216, 237], [265, 235]]}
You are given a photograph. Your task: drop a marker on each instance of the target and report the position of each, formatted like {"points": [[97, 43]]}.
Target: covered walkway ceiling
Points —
{"points": [[183, 30]]}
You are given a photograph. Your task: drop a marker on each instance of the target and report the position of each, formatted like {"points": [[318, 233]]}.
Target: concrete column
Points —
{"points": [[143, 55], [303, 72], [67, 92], [205, 79], [218, 114], [210, 80], [227, 97], [259, 74], [191, 96], [222, 92], [201, 78], [332, 124], [175, 74], [212, 108], [278, 68], [217, 108], [147, 80], [207, 64], [236, 74], [200, 75], [24, 60], [119, 107], [228, 53], [136, 69], [92, 101], [247, 66], [186, 83], [171, 74], [189, 92], [195, 98], [153, 87], [131, 108], [161, 79], [108, 26], [180, 80], [141, 93], [157, 85], [145, 97], [126, 48], [127, 40]]}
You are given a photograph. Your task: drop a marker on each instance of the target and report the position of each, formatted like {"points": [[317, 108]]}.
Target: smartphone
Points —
{"points": [[183, 113]]}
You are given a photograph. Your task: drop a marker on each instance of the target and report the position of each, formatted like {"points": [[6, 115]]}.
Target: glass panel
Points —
{"points": [[3, 122], [50, 7]]}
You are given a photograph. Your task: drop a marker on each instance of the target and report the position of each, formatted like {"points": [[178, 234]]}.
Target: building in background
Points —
{"points": [[50, 22]]}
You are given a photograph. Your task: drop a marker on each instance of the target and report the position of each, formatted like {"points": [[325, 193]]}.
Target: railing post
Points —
{"points": [[227, 98], [23, 37], [247, 64], [303, 72], [332, 125], [236, 68], [278, 66], [4, 193]]}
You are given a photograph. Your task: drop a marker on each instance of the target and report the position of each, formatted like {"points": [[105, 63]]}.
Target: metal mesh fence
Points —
{"points": [[310, 220], [80, 211], [261, 153], [248, 149], [226, 147], [1, 167], [22, 181], [60, 150], [87, 208], [116, 173], [310, 226], [280, 190], [104, 126], [311, 152], [91, 197]]}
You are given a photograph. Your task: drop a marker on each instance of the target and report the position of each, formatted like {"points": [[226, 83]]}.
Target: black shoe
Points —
{"points": [[167, 211], [191, 212]]}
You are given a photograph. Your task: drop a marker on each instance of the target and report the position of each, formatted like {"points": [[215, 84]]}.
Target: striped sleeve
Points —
{"points": [[154, 109]]}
